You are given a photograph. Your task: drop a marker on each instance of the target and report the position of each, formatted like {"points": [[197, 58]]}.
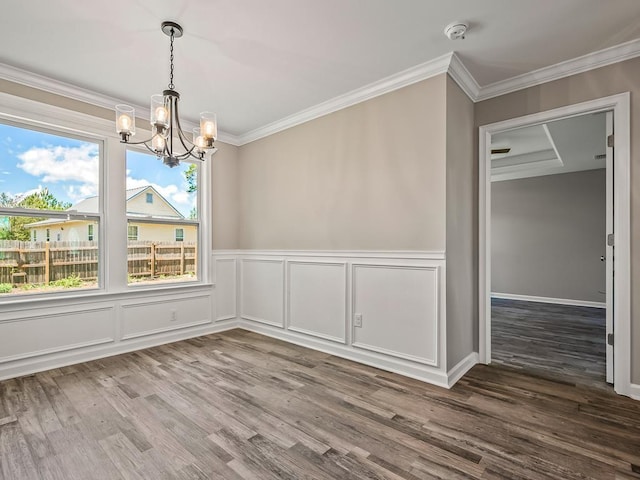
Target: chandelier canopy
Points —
{"points": [[165, 121]]}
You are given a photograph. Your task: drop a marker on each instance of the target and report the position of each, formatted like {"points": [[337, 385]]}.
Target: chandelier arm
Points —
{"points": [[184, 140], [143, 142], [152, 150], [181, 132]]}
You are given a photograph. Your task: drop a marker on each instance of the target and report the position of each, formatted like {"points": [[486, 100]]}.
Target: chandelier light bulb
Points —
{"points": [[124, 123], [158, 143], [209, 125], [125, 120], [161, 114]]}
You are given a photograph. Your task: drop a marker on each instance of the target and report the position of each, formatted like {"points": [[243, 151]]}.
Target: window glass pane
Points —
{"points": [[153, 189], [44, 171], [132, 232], [43, 266], [157, 257], [160, 249], [39, 252]]}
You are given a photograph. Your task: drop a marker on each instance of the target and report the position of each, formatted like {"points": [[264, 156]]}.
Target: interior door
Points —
{"points": [[609, 242]]}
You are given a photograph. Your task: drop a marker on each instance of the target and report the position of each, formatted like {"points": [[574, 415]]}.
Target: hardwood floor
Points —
{"points": [[547, 339], [238, 405]]}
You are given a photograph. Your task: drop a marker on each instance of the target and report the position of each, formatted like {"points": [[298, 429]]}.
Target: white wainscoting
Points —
{"points": [[44, 331], [399, 309], [160, 314], [262, 290], [310, 297], [226, 279], [39, 335], [317, 299]]}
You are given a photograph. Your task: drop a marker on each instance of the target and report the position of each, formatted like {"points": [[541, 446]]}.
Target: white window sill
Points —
{"points": [[79, 297]]}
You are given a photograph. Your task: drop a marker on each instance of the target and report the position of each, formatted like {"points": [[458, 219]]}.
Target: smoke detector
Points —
{"points": [[456, 30]]}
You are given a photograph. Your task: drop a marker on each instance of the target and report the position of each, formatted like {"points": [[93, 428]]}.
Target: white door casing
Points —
{"points": [[621, 158]]}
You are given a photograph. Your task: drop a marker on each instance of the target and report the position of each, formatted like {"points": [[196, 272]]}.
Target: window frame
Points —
{"points": [[112, 274], [97, 217], [181, 238], [202, 234], [131, 228]]}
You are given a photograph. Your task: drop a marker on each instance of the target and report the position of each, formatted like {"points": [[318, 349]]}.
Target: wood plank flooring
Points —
{"points": [[238, 405], [550, 340]]}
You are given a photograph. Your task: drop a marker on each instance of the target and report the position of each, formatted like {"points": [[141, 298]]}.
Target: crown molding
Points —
{"points": [[449, 63], [590, 61], [68, 90], [459, 73], [388, 84]]}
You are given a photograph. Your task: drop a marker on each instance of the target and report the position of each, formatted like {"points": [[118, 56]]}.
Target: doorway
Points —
{"points": [[616, 336]]}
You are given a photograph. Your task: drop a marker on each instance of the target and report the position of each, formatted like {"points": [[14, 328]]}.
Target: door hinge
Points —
{"points": [[610, 339], [611, 238], [610, 140]]}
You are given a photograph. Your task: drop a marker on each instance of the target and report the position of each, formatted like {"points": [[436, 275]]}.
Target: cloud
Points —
{"points": [[62, 164], [6, 173]]}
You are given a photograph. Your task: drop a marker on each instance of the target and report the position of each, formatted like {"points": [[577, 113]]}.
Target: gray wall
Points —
{"points": [[601, 82], [368, 177], [547, 236], [462, 232]]}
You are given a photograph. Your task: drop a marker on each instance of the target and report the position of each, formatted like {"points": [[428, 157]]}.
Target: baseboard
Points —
{"points": [[634, 391], [558, 301], [423, 373], [461, 368], [37, 364]]}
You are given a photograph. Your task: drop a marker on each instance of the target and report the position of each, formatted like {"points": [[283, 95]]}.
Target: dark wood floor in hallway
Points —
{"points": [[546, 339], [238, 405]]}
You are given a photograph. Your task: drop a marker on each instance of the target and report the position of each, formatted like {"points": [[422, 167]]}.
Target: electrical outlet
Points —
{"points": [[357, 320], [174, 315]]}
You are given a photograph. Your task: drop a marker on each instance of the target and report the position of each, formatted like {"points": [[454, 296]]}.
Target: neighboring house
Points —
{"points": [[141, 202]]}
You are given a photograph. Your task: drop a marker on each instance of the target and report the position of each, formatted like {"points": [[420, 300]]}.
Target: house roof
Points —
{"points": [[90, 205]]}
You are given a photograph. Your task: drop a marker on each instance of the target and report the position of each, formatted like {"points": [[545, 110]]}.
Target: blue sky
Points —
{"points": [[32, 160]]}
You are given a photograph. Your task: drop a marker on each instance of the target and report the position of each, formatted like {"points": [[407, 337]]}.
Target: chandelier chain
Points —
{"points": [[171, 85]]}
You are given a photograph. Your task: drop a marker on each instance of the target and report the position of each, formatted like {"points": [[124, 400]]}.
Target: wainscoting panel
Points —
{"points": [[41, 332], [310, 298], [45, 334], [399, 310], [262, 290], [226, 288], [160, 315], [317, 300]]}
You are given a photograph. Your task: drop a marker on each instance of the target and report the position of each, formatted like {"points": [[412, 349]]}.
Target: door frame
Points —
{"points": [[620, 105]]}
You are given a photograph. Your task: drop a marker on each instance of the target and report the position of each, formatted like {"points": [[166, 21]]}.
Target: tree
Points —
{"points": [[43, 200], [191, 175], [16, 228]]}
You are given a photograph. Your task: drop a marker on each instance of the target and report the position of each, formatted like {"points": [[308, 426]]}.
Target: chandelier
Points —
{"points": [[165, 121]]}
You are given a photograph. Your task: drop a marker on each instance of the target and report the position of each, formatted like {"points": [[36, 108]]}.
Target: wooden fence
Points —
{"points": [[43, 262]]}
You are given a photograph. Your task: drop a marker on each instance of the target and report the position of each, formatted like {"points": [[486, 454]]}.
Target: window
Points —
{"points": [[90, 233], [49, 191], [167, 250], [132, 232]]}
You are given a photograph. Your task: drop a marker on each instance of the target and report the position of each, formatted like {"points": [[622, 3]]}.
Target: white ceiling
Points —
{"points": [[563, 146], [255, 61]]}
